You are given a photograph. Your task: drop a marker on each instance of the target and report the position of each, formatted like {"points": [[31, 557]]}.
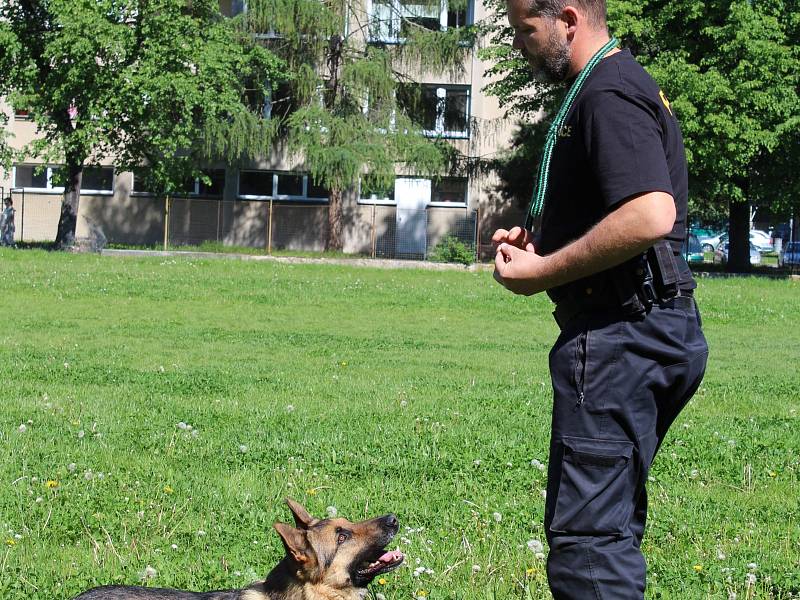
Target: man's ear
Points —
{"points": [[302, 518], [294, 540]]}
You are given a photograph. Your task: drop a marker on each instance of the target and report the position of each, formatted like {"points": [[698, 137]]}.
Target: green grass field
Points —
{"points": [[156, 411]]}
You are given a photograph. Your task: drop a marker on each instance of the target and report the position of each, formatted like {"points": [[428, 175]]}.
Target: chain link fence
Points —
{"points": [[371, 230]]}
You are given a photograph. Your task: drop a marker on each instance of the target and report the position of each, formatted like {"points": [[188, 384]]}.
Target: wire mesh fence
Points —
{"points": [[371, 230]]}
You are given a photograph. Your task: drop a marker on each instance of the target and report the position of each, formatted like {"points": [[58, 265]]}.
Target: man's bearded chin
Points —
{"points": [[554, 66]]}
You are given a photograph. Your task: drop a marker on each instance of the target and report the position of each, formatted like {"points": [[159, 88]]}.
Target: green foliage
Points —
{"points": [[731, 71], [392, 398], [158, 82], [453, 250], [345, 121]]}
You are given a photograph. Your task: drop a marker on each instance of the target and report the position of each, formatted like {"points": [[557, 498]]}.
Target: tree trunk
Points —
{"points": [[739, 238], [68, 221], [334, 241]]}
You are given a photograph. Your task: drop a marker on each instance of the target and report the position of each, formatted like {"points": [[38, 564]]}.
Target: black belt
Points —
{"points": [[569, 309]]}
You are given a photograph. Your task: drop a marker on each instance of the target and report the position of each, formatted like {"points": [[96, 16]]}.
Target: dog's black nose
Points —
{"points": [[391, 522]]}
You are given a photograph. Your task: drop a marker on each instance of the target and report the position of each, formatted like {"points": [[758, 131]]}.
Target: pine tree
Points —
{"points": [[348, 104]]}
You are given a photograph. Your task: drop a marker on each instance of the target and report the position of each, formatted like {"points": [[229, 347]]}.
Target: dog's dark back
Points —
{"points": [[124, 592]]}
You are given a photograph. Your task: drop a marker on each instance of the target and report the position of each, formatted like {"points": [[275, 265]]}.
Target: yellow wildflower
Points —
{"points": [[11, 542], [698, 568], [382, 581], [168, 489], [311, 492], [51, 484]]}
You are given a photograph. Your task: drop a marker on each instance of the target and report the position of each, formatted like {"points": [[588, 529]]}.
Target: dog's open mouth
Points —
{"points": [[386, 562]]}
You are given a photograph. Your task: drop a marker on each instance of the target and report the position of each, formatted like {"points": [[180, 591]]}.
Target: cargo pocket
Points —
{"points": [[596, 487]]}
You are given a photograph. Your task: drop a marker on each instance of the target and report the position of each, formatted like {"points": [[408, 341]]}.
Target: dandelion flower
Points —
{"points": [[698, 568], [535, 546], [168, 489], [382, 581], [11, 542], [51, 484]]}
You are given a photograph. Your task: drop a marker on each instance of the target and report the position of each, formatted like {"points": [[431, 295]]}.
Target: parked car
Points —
{"points": [[721, 254], [710, 242], [693, 249], [790, 255], [762, 240], [756, 239]]}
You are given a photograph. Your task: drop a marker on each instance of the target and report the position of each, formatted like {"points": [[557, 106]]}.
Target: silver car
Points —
{"points": [[721, 254]]}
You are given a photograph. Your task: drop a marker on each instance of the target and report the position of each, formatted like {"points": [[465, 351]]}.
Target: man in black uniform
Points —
{"points": [[612, 195]]}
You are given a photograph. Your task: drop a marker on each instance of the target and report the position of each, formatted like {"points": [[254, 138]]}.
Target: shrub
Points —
{"points": [[453, 250]]}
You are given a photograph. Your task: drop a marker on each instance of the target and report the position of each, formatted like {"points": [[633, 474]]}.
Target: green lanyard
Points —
{"points": [[540, 191]]}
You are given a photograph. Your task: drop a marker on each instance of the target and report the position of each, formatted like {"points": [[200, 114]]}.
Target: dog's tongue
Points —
{"points": [[391, 556]]}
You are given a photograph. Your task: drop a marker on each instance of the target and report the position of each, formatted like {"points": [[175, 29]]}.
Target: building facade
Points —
{"points": [[273, 203]]}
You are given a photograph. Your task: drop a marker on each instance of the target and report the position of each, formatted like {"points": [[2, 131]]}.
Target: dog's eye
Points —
{"points": [[342, 537]]}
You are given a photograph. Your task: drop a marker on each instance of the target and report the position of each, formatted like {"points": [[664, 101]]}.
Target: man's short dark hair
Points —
{"points": [[595, 9]]}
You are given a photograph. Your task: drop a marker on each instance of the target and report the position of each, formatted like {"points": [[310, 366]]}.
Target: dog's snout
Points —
{"points": [[391, 522]]}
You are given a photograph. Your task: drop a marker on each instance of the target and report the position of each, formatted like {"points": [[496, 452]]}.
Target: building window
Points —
{"points": [[372, 192], [392, 20], [97, 179], [255, 184], [439, 110], [264, 185], [449, 190], [36, 178]]}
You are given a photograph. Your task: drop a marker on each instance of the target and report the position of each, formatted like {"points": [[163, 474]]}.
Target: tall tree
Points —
{"points": [[140, 81], [347, 104], [731, 71]]}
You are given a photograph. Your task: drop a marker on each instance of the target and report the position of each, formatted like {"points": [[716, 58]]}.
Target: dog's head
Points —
{"points": [[336, 552]]}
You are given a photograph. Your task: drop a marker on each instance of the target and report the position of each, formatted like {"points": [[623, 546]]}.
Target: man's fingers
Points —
{"points": [[499, 236]]}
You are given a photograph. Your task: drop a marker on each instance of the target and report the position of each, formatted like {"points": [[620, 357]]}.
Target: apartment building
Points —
{"points": [[274, 203]]}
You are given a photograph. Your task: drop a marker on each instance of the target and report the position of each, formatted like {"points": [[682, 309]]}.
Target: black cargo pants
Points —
{"points": [[618, 385]]}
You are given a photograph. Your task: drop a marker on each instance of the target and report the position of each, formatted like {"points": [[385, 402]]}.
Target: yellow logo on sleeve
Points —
{"points": [[665, 101]]}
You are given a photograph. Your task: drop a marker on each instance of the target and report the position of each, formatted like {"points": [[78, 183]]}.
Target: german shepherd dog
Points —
{"points": [[326, 559]]}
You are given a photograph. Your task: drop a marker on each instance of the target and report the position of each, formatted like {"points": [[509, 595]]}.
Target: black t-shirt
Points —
{"points": [[620, 139]]}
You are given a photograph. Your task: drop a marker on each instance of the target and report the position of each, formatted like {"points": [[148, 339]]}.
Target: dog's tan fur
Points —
{"points": [[325, 560]]}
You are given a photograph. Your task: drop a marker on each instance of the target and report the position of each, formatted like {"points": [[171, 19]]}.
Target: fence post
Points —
{"points": [[372, 240], [219, 216], [269, 229], [22, 225], [166, 222], [478, 234]]}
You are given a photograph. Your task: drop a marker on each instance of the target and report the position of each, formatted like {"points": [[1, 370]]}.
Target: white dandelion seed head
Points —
{"points": [[81, 433], [71, 467], [148, 573], [539, 556], [290, 408], [380, 596], [23, 428], [750, 578], [88, 475], [497, 517], [331, 511], [201, 533], [174, 546], [476, 568], [537, 465], [182, 425], [403, 403], [535, 546], [752, 566], [242, 448]]}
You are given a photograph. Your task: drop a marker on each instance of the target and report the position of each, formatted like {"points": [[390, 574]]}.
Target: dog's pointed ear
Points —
{"points": [[302, 518], [294, 540]]}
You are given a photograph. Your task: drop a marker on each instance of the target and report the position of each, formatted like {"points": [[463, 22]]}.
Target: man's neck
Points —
{"points": [[583, 50]]}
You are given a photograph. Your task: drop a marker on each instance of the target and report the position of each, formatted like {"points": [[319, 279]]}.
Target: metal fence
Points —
{"points": [[374, 230]]}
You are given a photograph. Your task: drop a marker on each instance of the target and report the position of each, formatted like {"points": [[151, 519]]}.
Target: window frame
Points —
{"points": [[398, 14], [50, 189], [441, 100], [278, 196]]}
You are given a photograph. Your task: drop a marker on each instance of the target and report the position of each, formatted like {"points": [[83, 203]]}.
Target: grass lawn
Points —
{"points": [[157, 410]]}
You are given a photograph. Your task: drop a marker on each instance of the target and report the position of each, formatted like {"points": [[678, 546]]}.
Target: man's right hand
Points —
{"points": [[517, 236]]}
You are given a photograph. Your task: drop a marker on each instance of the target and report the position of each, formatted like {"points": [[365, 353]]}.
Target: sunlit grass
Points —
{"points": [[156, 411]]}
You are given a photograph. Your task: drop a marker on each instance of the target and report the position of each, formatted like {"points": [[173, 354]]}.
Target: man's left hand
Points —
{"points": [[520, 271]]}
